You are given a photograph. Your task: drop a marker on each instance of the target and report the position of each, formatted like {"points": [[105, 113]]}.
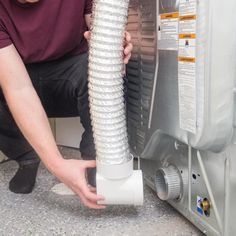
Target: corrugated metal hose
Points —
{"points": [[106, 92]]}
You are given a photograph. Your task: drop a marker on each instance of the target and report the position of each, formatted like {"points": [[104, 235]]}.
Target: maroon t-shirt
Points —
{"points": [[46, 30]]}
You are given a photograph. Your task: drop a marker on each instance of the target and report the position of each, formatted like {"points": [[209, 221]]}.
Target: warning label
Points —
{"points": [[187, 46], [187, 65], [168, 33], [187, 24]]}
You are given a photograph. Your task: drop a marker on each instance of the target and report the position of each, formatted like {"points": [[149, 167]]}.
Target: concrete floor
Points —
{"points": [[45, 213]]}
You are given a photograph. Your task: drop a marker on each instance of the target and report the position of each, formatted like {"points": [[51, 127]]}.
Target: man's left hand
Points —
{"points": [[128, 46]]}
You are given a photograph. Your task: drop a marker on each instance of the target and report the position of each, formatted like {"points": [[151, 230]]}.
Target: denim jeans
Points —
{"points": [[63, 90]]}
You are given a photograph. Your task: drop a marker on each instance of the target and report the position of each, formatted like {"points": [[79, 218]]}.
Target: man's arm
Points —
{"points": [[31, 118]]}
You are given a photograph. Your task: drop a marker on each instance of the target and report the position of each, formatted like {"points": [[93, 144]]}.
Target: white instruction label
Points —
{"points": [[187, 95], [168, 31], [187, 65], [187, 7]]}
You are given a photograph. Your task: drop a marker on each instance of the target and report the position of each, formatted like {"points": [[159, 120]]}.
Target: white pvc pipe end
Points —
{"points": [[116, 171], [126, 191]]}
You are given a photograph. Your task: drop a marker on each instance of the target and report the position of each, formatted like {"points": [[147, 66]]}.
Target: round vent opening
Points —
{"points": [[168, 183]]}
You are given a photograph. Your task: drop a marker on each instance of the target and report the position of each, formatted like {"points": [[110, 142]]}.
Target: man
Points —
{"points": [[43, 73]]}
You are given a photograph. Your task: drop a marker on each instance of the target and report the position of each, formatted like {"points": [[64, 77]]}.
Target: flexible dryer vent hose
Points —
{"points": [[116, 179], [106, 94]]}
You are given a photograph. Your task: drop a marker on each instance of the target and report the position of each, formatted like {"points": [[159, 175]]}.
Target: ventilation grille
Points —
{"points": [[141, 69]]}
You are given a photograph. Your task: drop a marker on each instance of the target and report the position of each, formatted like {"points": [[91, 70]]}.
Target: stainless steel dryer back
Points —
{"points": [[199, 142]]}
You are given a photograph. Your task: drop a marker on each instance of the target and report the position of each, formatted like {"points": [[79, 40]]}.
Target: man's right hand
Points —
{"points": [[72, 173], [32, 120]]}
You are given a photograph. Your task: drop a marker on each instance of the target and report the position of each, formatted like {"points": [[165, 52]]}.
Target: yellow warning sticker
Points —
{"points": [[169, 15], [187, 36], [189, 17], [187, 59]]}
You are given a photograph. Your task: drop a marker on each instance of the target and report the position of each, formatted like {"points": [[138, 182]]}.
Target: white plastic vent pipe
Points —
{"points": [[116, 179]]}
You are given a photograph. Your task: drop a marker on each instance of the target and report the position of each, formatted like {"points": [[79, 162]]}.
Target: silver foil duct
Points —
{"points": [[106, 94]]}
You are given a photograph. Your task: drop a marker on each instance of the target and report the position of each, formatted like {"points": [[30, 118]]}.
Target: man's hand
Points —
{"points": [[31, 118], [128, 46], [72, 173]]}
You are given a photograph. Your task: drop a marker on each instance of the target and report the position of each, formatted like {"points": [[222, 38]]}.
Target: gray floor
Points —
{"points": [[45, 213]]}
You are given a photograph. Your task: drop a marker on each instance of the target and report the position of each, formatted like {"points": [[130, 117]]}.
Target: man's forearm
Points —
{"points": [[32, 120], [26, 107]]}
